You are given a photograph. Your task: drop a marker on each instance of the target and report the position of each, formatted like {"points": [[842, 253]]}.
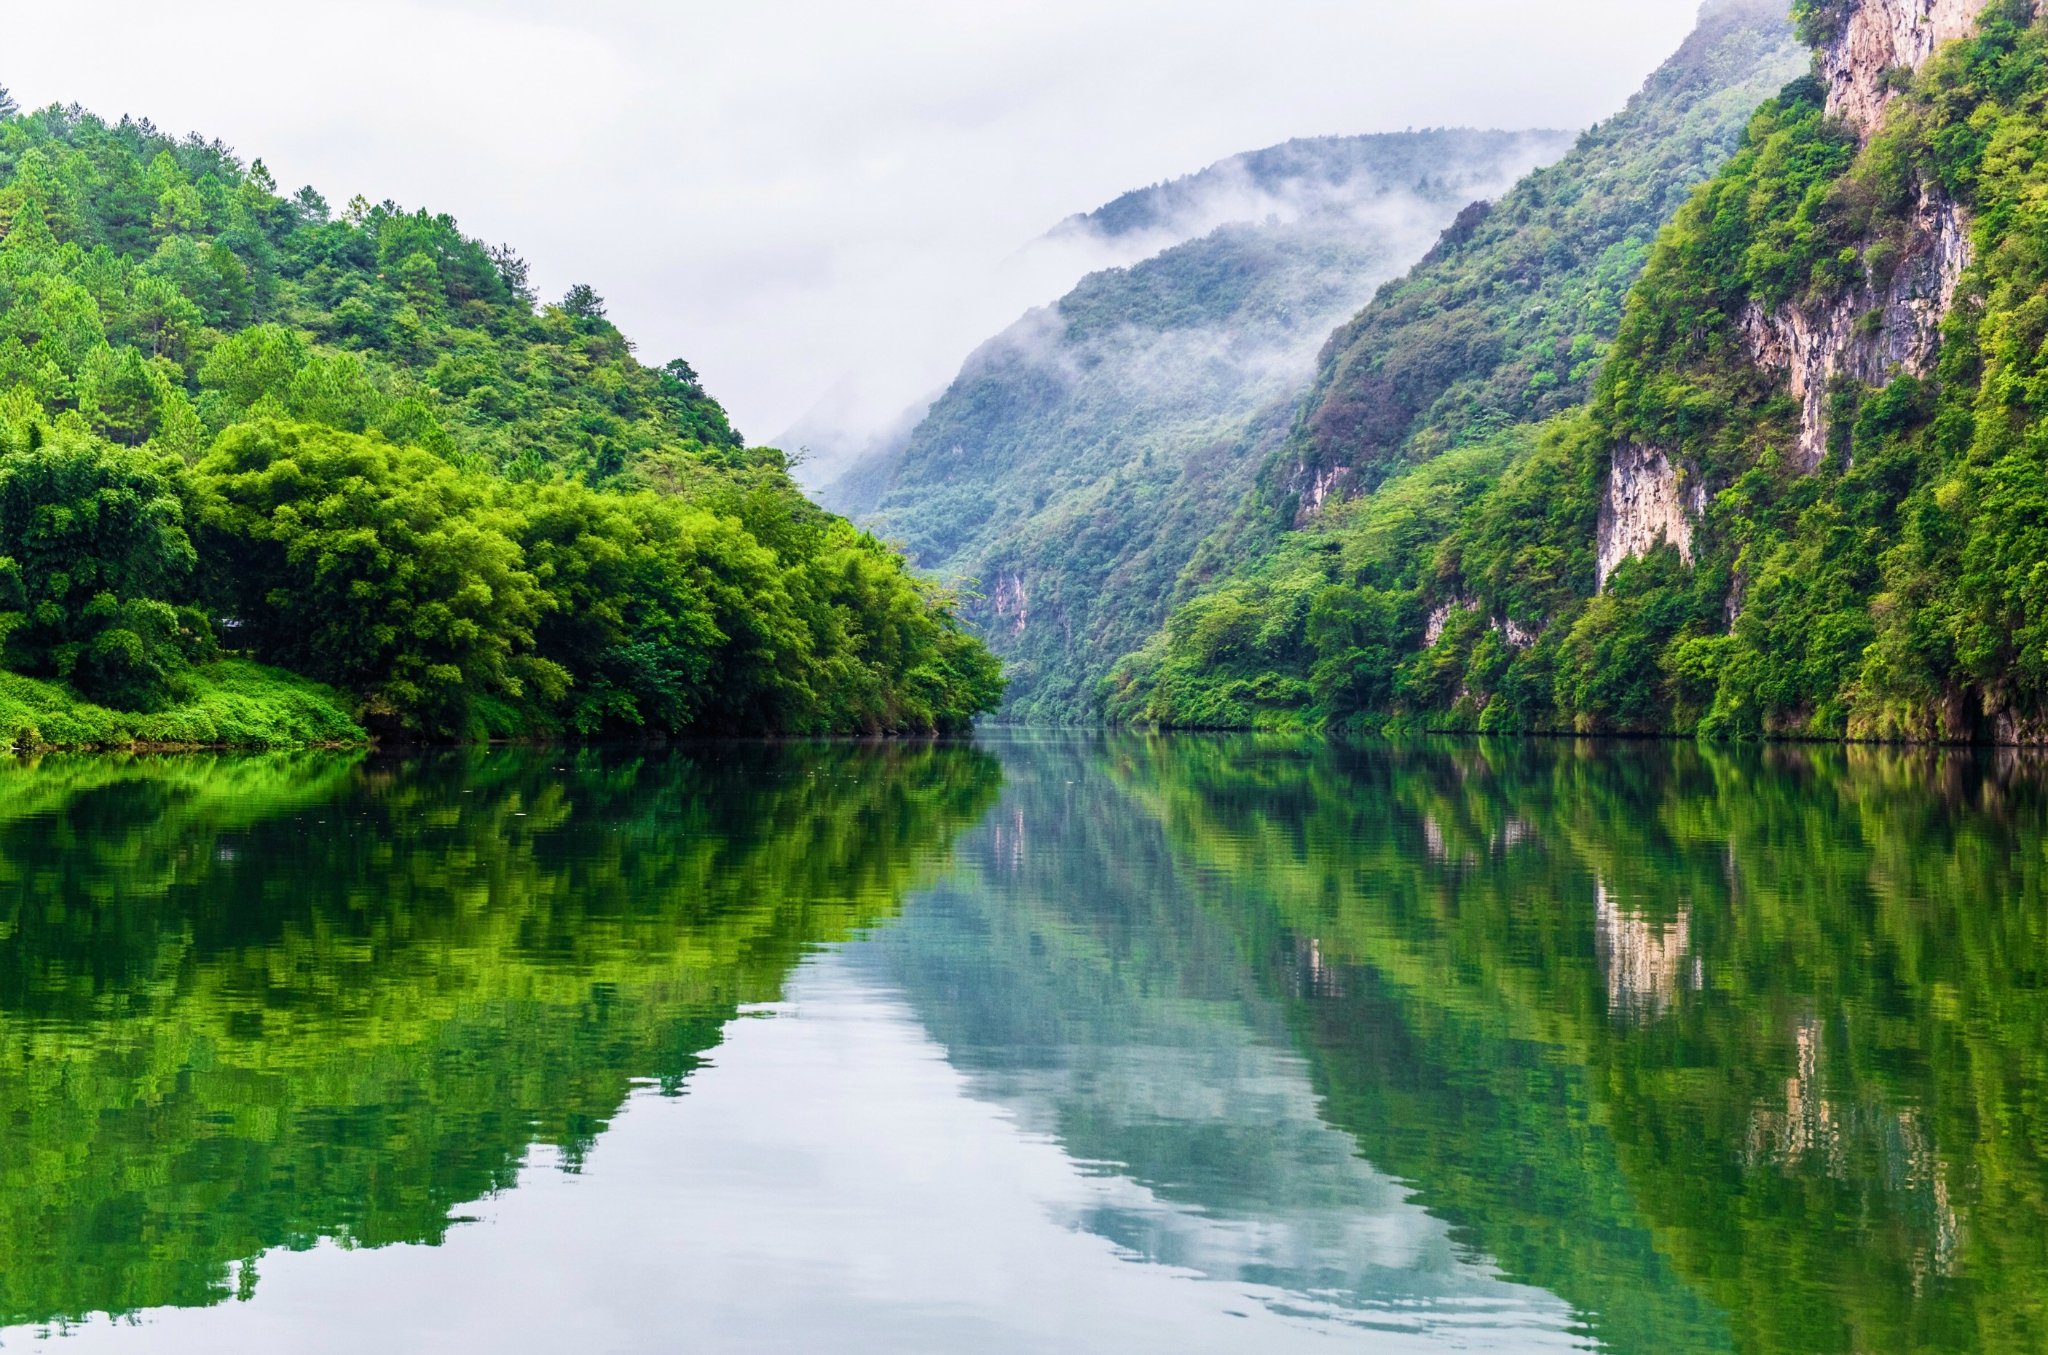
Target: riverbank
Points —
{"points": [[228, 704]]}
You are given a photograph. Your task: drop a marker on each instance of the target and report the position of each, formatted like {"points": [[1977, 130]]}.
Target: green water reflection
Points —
{"points": [[1727, 1051], [248, 1004], [1735, 1049]]}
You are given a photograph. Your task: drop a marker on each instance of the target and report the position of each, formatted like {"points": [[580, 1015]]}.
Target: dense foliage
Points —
{"points": [[1891, 590], [1079, 457], [353, 447]]}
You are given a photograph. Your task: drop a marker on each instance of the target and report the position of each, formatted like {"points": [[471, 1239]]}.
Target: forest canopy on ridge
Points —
{"points": [[272, 472]]}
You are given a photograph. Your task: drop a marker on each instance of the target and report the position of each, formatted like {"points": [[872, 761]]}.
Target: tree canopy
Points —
{"points": [[353, 447]]}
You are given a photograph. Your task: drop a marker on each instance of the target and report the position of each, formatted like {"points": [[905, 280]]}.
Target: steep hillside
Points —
{"points": [[352, 446], [1808, 495], [1077, 458], [1510, 315]]}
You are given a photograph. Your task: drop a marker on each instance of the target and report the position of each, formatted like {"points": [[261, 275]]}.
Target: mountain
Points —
{"points": [[1806, 497], [1078, 456], [352, 448], [1510, 315]]}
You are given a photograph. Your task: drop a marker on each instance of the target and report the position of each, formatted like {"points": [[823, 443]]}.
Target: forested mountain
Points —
{"points": [[1308, 176], [1509, 317], [1078, 457], [236, 425], [1806, 497]]}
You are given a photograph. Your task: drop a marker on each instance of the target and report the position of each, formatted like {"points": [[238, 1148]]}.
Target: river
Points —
{"points": [[1043, 1042]]}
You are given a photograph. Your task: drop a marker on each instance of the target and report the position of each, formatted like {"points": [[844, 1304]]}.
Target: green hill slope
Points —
{"points": [[1805, 498], [352, 445], [1079, 456], [1508, 318]]}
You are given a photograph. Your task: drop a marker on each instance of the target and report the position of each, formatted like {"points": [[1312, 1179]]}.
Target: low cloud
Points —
{"points": [[1339, 217]]}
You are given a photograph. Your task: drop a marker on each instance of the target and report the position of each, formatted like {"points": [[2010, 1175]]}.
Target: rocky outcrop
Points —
{"points": [[1518, 635], [1315, 486], [1514, 633], [1885, 326], [1012, 601], [1439, 621], [1875, 38], [1645, 506]]}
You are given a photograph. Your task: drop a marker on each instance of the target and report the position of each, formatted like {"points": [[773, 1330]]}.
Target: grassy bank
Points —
{"points": [[230, 703]]}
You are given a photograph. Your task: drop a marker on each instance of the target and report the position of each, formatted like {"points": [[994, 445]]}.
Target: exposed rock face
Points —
{"points": [[1644, 507], [1880, 36], [1517, 635], [1012, 601], [1871, 333], [1439, 620], [1890, 323], [1320, 484]]}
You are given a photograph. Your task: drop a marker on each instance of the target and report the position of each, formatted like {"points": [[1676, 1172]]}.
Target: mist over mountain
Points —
{"points": [[1368, 181], [1064, 474]]}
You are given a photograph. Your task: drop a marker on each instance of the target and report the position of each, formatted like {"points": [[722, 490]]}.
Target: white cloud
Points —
{"points": [[793, 193]]}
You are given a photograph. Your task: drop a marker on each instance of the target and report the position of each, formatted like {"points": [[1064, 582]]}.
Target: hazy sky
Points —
{"points": [[792, 193]]}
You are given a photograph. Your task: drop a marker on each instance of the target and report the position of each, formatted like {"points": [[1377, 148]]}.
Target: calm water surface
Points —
{"points": [[1042, 1044]]}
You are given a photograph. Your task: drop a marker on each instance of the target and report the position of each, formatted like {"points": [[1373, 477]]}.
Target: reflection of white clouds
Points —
{"points": [[1644, 958], [1204, 1134], [827, 1185]]}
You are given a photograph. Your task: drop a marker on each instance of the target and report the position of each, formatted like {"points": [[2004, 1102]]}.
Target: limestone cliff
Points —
{"points": [[1504, 320], [1888, 324], [1865, 41], [1872, 333], [1646, 505]]}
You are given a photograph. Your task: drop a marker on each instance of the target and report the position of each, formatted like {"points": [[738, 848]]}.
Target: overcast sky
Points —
{"points": [[798, 193]]}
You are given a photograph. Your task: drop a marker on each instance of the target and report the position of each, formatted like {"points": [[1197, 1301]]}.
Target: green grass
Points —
{"points": [[228, 704]]}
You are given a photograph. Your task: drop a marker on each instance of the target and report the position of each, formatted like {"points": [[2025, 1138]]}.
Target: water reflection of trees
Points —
{"points": [[1795, 995], [252, 1003], [1077, 969]]}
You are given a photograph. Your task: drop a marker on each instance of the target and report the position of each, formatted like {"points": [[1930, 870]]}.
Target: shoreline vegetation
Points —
{"points": [[273, 475]]}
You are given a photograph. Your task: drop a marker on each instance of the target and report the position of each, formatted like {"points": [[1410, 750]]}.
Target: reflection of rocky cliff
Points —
{"points": [[1793, 999]]}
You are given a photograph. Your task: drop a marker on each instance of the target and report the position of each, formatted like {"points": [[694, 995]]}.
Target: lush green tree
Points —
{"points": [[95, 562], [467, 512], [377, 568]]}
